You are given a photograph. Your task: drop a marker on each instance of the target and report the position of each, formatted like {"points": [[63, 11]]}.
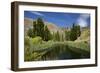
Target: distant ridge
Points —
{"points": [[28, 22]]}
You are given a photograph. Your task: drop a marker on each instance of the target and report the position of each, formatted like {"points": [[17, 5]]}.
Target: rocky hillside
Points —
{"points": [[85, 35]]}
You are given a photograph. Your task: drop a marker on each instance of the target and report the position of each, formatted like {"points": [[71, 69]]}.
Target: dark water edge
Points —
{"points": [[68, 54], [63, 52]]}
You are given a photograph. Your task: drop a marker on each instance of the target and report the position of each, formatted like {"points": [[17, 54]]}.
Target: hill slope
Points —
{"points": [[85, 35]]}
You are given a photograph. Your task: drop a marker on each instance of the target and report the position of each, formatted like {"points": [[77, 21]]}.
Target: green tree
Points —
{"points": [[62, 37], [47, 34], [73, 35], [78, 30], [67, 35], [38, 28], [57, 36], [75, 32], [53, 36], [35, 28], [30, 33]]}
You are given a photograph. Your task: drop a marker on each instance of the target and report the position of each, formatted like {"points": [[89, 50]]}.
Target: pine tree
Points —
{"points": [[38, 28], [53, 36], [57, 36], [30, 33], [62, 37], [75, 32], [67, 35], [35, 28], [47, 33], [78, 30]]}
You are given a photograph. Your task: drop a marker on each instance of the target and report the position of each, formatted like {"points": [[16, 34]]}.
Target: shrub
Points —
{"points": [[26, 40], [36, 40]]}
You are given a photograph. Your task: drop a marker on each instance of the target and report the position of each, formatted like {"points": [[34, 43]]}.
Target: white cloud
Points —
{"points": [[82, 20], [85, 16], [37, 13]]}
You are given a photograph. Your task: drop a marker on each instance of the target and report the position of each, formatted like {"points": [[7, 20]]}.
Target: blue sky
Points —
{"points": [[60, 19]]}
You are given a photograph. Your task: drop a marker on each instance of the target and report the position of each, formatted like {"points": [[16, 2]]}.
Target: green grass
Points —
{"points": [[80, 44], [57, 50]]}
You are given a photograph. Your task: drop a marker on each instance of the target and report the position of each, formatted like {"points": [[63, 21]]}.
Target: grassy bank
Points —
{"points": [[53, 50]]}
